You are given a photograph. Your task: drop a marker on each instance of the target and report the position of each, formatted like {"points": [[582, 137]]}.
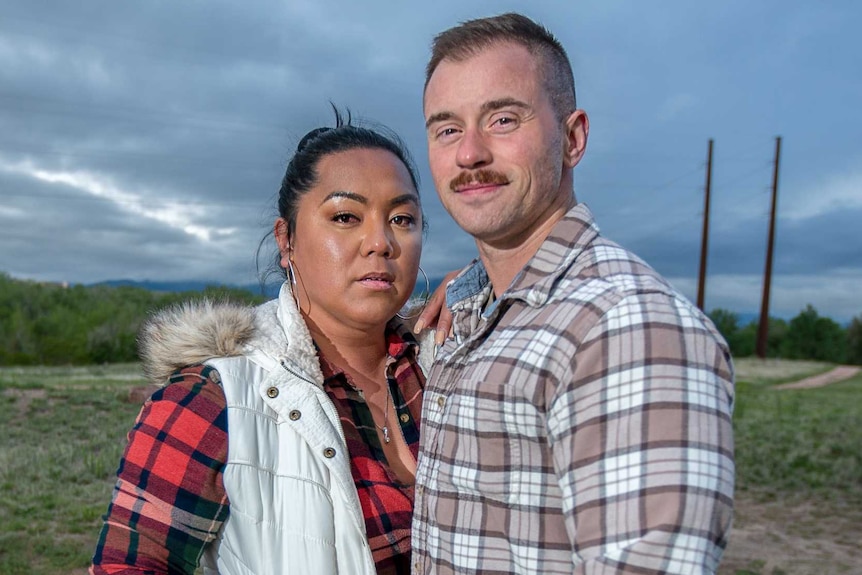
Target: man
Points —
{"points": [[580, 419]]}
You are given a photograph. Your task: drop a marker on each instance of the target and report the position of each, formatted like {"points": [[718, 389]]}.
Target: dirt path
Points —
{"points": [[840, 373], [797, 536]]}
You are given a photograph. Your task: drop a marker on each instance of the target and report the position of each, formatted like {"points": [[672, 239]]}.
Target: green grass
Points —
{"points": [[63, 431], [804, 440], [797, 447]]}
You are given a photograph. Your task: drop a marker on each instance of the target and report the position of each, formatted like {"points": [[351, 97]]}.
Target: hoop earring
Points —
{"points": [[291, 274], [425, 298]]}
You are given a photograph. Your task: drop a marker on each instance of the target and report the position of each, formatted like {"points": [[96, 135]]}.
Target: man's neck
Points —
{"points": [[503, 263]]}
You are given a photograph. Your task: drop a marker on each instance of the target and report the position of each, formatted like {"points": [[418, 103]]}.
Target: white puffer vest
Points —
{"points": [[293, 504]]}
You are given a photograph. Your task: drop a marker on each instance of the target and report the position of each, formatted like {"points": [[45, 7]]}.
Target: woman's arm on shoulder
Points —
{"points": [[435, 314]]}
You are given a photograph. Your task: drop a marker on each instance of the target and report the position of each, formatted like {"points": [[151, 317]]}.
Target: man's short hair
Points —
{"points": [[473, 36]]}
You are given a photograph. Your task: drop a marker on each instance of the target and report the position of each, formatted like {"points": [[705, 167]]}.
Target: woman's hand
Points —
{"points": [[436, 314]]}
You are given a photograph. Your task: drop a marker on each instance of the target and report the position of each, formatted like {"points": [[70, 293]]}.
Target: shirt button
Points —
{"points": [[329, 453], [441, 401], [294, 414], [272, 392], [420, 490], [404, 418]]}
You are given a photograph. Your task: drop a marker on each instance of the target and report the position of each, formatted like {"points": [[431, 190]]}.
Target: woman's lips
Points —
{"points": [[380, 281]]}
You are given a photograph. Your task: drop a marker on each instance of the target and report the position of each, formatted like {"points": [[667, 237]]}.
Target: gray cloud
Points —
{"points": [[147, 140]]}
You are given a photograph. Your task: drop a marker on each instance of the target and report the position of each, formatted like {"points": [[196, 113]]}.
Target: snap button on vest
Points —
{"points": [[329, 453], [272, 392], [294, 414], [404, 418]]}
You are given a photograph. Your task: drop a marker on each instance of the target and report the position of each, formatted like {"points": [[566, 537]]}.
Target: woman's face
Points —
{"points": [[358, 240]]}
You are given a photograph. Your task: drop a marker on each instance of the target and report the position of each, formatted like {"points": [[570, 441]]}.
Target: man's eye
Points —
{"points": [[446, 132]]}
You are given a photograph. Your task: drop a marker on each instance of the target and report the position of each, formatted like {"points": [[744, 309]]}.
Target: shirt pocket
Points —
{"points": [[492, 442]]}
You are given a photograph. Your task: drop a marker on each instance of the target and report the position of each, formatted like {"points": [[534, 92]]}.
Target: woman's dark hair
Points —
{"points": [[301, 173]]}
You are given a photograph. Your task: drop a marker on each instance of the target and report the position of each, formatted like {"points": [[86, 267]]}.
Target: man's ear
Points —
{"points": [[282, 238], [577, 130]]}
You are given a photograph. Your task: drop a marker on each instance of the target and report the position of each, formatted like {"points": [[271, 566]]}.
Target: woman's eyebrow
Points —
{"points": [[346, 195], [359, 198]]}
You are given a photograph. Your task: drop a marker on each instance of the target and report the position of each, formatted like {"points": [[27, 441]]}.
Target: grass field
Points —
{"points": [[63, 431], [799, 440], [799, 473]]}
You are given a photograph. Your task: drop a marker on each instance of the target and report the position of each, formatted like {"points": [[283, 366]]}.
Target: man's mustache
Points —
{"points": [[477, 177]]}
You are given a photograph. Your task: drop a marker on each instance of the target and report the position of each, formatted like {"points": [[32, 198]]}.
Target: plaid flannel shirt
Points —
{"points": [[580, 425], [387, 504], [169, 500]]}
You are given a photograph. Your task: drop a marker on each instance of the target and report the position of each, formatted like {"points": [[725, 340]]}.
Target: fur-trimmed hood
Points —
{"points": [[191, 333], [194, 332]]}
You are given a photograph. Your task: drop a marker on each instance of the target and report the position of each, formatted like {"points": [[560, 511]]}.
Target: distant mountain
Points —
{"points": [[191, 285], [747, 318]]}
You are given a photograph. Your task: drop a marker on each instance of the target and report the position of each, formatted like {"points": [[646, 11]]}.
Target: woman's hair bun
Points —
{"points": [[310, 137]]}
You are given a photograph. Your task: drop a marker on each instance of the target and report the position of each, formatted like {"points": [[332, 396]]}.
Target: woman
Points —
{"points": [[285, 438]]}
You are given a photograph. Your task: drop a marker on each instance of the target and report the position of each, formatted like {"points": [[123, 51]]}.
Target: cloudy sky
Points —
{"points": [[146, 140]]}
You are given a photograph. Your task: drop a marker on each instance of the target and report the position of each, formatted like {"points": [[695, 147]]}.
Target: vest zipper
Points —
{"points": [[327, 406]]}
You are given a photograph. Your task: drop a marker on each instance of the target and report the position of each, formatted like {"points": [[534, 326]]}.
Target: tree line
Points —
{"points": [[49, 324], [807, 336]]}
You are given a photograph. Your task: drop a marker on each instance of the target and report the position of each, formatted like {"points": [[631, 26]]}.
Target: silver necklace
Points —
{"points": [[385, 428]]}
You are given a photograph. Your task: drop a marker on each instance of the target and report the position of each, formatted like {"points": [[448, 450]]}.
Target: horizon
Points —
{"points": [[744, 317]]}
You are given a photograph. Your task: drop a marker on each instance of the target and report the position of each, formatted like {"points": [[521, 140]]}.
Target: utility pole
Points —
{"points": [[763, 328], [704, 242]]}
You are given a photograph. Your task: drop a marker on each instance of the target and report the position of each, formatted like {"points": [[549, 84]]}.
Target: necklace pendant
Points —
{"points": [[386, 434]]}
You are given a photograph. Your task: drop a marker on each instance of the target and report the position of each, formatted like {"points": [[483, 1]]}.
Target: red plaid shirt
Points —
{"points": [[387, 504], [169, 500]]}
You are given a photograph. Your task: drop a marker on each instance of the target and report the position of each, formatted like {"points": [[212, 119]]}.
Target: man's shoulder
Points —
{"points": [[577, 262], [609, 280], [606, 269]]}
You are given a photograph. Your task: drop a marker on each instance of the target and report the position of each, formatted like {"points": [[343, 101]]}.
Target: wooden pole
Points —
{"points": [[763, 327], [704, 242]]}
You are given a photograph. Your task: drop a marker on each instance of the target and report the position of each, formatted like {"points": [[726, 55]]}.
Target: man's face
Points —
{"points": [[498, 152]]}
